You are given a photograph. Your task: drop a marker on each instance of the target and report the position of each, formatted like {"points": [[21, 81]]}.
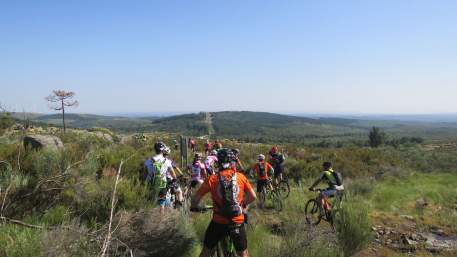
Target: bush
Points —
{"points": [[353, 226], [16, 241]]}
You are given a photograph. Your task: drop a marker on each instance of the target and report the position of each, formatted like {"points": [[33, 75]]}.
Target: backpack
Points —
{"points": [[261, 170], [229, 191], [154, 169], [338, 178]]}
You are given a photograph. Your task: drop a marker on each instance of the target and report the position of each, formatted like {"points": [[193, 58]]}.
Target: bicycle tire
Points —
{"points": [[312, 210], [284, 188]]}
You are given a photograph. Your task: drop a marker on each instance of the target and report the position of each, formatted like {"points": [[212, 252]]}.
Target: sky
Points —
{"points": [[360, 57]]}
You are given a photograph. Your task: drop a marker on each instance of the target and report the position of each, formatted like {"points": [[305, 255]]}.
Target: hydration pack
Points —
{"points": [[229, 191], [261, 169], [338, 178], [154, 169]]}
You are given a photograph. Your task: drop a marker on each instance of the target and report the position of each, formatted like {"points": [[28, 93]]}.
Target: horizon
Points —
{"points": [[328, 58]]}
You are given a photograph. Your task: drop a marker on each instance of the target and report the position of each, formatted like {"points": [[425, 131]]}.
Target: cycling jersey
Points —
{"points": [[267, 168], [211, 185], [209, 162], [196, 171], [328, 177], [165, 173]]}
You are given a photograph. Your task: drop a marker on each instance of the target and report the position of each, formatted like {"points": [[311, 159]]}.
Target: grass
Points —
{"points": [[398, 197]]}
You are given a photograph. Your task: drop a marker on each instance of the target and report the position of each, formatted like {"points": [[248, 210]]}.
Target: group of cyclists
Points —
{"points": [[221, 174]]}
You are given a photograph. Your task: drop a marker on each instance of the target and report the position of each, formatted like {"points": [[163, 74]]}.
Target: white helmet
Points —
{"points": [[261, 157]]}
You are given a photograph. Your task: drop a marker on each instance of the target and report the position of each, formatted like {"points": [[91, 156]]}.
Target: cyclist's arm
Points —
{"points": [[179, 171], [172, 172], [202, 191], [317, 181], [250, 194]]}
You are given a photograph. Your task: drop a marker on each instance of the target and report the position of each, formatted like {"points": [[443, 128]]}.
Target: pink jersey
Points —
{"points": [[196, 170], [210, 160]]}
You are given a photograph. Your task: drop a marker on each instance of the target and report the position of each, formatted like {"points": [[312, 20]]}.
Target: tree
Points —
{"points": [[6, 120], [376, 137], [59, 100]]}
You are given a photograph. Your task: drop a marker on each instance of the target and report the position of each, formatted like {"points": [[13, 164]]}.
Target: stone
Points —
{"points": [[408, 217], [37, 142]]}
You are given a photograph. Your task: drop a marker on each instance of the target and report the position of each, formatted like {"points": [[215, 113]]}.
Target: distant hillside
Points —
{"points": [[255, 126], [91, 120]]}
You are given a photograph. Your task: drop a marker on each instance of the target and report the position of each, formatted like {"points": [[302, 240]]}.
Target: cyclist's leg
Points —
{"points": [[162, 201], [214, 233], [261, 192], [239, 238]]}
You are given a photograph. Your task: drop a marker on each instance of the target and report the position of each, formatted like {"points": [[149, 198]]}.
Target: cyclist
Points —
{"points": [[172, 180], [237, 165], [262, 169], [328, 176], [277, 161], [217, 145], [208, 147], [160, 171], [230, 191], [210, 162], [197, 171]]}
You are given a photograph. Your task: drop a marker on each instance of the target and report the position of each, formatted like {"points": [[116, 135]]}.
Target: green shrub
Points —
{"points": [[353, 226], [17, 241], [56, 215]]}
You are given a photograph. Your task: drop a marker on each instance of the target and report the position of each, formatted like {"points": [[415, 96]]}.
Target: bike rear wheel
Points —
{"points": [[284, 188], [312, 213]]}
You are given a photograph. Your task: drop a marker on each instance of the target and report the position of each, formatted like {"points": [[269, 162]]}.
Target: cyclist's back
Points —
{"points": [[227, 190]]}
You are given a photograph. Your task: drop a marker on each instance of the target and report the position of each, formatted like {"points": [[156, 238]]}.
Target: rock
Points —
{"points": [[36, 142], [149, 233], [408, 241], [104, 136], [421, 203], [408, 217]]}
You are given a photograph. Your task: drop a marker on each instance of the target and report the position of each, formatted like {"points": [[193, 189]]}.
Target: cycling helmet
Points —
{"points": [[326, 165], [236, 151], [213, 152], [274, 150], [261, 157], [166, 151], [225, 156], [197, 156], [159, 147]]}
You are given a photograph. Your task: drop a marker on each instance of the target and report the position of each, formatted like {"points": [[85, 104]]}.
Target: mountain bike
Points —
{"points": [[225, 246], [283, 187], [331, 211], [271, 194]]}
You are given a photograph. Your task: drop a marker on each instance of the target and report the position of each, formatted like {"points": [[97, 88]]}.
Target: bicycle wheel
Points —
{"points": [[312, 213], [284, 188]]}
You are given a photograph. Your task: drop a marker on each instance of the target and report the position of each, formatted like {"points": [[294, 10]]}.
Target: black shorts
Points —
{"points": [[261, 183], [277, 173], [216, 232]]}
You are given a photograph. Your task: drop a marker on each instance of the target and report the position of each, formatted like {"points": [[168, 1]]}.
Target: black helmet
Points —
{"points": [[225, 155], [326, 165], [197, 156], [159, 147]]}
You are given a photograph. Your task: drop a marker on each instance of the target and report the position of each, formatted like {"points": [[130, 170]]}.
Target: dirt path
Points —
{"points": [[209, 122]]}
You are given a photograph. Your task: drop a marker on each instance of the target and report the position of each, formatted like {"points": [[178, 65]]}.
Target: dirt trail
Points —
{"points": [[209, 122]]}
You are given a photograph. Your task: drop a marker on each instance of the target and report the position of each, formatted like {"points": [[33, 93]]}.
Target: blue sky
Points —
{"points": [[279, 56]]}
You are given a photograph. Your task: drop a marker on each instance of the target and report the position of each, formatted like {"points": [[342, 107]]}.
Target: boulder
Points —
{"points": [[104, 136], [43, 141], [149, 233]]}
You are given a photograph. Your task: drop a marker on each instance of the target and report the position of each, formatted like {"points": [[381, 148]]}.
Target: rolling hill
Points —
{"points": [[255, 126]]}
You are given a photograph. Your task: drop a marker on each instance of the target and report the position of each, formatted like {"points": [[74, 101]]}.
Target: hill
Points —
{"points": [[256, 126]]}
